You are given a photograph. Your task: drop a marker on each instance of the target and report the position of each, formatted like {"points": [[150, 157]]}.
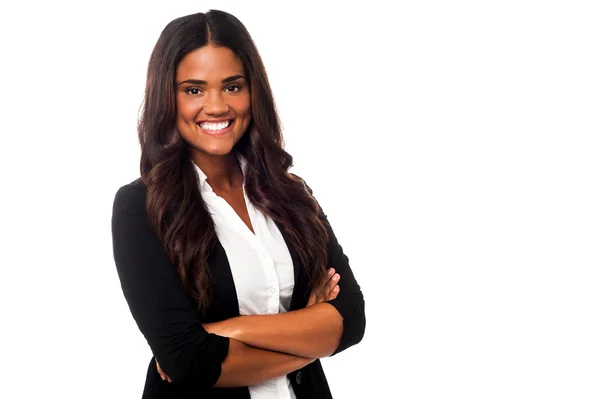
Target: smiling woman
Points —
{"points": [[229, 265], [213, 100]]}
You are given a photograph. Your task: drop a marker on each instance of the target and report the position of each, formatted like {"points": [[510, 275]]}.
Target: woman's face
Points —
{"points": [[213, 100]]}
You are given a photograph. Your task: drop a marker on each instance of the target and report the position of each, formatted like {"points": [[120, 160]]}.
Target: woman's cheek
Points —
{"points": [[188, 108]]}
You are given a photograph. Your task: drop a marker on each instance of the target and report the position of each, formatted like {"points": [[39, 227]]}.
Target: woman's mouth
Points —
{"points": [[216, 128]]}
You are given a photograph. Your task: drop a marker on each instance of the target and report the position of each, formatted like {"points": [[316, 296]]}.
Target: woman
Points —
{"points": [[227, 262]]}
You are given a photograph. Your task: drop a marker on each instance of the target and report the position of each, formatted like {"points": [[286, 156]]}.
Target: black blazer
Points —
{"points": [[168, 319]]}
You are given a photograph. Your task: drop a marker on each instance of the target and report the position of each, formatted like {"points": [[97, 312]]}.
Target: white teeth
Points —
{"points": [[214, 126]]}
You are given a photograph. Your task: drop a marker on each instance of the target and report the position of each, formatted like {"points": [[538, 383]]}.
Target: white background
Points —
{"points": [[454, 146]]}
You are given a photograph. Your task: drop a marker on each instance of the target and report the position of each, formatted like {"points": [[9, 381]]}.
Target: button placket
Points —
{"points": [[272, 280], [273, 300]]}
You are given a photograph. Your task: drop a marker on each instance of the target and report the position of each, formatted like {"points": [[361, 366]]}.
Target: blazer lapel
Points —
{"points": [[224, 295]]}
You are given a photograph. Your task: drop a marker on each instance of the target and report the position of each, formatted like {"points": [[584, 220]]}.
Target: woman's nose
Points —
{"points": [[215, 105]]}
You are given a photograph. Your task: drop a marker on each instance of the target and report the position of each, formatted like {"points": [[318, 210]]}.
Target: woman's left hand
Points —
{"points": [[327, 291]]}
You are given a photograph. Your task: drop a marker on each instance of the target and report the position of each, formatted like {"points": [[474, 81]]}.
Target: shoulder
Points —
{"points": [[298, 178], [130, 197], [320, 211]]}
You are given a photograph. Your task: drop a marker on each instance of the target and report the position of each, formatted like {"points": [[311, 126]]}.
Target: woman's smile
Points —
{"points": [[216, 128]]}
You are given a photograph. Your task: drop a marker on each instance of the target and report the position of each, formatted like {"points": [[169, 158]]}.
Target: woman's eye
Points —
{"points": [[193, 91], [233, 88]]}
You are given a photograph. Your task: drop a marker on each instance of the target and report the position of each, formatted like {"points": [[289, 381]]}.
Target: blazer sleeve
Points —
{"points": [[350, 302], [164, 313]]}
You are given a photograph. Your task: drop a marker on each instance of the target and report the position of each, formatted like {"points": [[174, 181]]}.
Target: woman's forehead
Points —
{"points": [[209, 63]]}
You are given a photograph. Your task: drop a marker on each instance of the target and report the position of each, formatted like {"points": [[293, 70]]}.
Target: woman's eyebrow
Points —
{"points": [[203, 82]]}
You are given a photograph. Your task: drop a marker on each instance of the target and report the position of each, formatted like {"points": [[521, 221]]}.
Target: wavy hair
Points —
{"points": [[174, 203]]}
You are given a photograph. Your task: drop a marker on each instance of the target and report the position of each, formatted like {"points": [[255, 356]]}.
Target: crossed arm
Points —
{"points": [[240, 351], [267, 346]]}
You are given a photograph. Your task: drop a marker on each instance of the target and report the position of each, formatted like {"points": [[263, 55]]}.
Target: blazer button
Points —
{"points": [[299, 377]]}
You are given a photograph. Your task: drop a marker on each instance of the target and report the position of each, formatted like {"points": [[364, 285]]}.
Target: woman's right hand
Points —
{"points": [[162, 373], [327, 291]]}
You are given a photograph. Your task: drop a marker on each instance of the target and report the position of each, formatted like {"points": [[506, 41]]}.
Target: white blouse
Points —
{"points": [[261, 265]]}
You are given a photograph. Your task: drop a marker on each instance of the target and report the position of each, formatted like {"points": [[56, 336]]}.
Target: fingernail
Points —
{"points": [[331, 271], [336, 288], [336, 277]]}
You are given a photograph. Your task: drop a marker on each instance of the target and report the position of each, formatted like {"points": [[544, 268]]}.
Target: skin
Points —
{"points": [[211, 85], [312, 332], [234, 328]]}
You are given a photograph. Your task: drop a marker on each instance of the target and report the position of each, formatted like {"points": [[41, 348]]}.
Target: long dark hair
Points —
{"points": [[175, 206]]}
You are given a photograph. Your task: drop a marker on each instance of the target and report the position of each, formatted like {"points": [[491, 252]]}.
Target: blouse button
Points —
{"points": [[299, 377]]}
